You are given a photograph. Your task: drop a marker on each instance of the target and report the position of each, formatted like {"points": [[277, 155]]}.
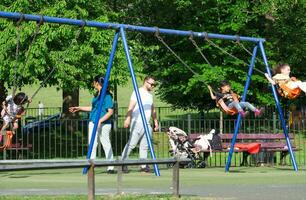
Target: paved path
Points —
{"points": [[249, 183]]}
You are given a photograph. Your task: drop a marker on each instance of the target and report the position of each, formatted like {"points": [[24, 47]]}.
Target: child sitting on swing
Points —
{"points": [[231, 99], [282, 76], [12, 109]]}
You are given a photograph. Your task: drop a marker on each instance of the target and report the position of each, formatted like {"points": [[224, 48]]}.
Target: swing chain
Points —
{"points": [[198, 48], [156, 34], [77, 35], [38, 25], [18, 30], [231, 55], [74, 40], [237, 41], [37, 29], [249, 52], [224, 51]]}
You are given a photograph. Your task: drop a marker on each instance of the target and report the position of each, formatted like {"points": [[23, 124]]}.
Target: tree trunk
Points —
{"points": [[70, 98], [3, 93]]}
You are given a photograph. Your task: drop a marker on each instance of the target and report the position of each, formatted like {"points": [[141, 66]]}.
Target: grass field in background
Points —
{"points": [[249, 178], [51, 97]]}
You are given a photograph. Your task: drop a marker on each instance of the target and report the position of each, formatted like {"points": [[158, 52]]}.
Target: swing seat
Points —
{"points": [[287, 92], [226, 109], [7, 141]]}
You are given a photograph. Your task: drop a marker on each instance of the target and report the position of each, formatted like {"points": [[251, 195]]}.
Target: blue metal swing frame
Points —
{"points": [[120, 31]]}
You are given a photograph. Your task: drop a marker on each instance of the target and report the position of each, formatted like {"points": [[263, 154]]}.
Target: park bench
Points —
{"points": [[19, 149], [270, 144]]}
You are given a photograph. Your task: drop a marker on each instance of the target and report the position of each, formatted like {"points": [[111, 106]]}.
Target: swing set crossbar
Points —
{"points": [[115, 26]]}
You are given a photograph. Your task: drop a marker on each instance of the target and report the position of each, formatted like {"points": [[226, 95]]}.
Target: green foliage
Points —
{"points": [[281, 22], [76, 59]]}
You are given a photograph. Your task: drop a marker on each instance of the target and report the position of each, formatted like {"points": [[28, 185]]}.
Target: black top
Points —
{"points": [[227, 97]]}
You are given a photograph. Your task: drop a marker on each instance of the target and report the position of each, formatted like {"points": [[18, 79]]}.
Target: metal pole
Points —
{"points": [[274, 122], [119, 179], [91, 182], [221, 122], [237, 125], [139, 101], [102, 96], [176, 179], [189, 123], [280, 112], [76, 22]]}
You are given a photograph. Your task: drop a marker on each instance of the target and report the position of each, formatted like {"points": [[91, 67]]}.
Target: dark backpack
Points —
{"points": [[216, 143]]}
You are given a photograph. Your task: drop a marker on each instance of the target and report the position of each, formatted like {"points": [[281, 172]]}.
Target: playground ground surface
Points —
{"points": [[209, 183]]}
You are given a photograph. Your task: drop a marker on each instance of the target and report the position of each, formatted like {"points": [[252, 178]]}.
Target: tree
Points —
{"points": [[183, 89], [75, 63]]}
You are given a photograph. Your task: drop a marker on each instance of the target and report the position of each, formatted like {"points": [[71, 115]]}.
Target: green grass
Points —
{"points": [[105, 197], [67, 179], [73, 178]]}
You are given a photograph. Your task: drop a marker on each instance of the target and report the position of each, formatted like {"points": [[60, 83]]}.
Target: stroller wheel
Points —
{"points": [[170, 165], [202, 164], [191, 165]]}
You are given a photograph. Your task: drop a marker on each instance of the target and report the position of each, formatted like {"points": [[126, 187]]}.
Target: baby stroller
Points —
{"points": [[182, 147]]}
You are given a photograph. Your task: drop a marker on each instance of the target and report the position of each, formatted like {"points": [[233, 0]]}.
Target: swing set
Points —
{"points": [[120, 30]]}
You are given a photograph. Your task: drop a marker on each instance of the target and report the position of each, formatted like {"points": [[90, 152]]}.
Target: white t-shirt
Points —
{"points": [[11, 110], [281, 77], [147, 101]]}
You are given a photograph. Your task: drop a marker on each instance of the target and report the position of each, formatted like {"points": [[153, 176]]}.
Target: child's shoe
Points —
{"points": [[244, 113], [259, 112]]}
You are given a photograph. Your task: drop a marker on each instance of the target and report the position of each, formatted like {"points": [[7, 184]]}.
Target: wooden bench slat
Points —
{"points": [[247, 136], [269, 142], [242, 136], [264, 145]]}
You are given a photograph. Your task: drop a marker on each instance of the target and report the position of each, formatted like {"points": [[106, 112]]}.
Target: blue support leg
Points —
{"points": [[101, 97], [237, 124], [280, 112], [142, 113]]}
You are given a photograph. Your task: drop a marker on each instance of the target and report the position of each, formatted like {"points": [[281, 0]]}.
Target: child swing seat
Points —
{"points": [[287, 92], [225, 108]]}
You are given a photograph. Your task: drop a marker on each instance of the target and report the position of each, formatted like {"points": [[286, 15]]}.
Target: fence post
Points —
{"points": [[119, 179], [221, 123], [274, 122], [115, 119], [175, 179], [91, 182], [189, 123], [158, 114]]}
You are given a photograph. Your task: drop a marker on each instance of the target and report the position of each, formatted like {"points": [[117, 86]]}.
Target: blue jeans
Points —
{"points": [[241, 105]]}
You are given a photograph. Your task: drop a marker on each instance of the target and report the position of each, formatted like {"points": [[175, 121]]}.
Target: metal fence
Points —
{"points": [[49, 136]]}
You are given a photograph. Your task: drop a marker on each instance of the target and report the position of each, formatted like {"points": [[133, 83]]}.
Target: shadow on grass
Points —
{"points": [[287, 169], [38, 172]]}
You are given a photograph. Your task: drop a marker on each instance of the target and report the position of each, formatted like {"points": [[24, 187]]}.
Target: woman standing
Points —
{"points": [[104, 124]]}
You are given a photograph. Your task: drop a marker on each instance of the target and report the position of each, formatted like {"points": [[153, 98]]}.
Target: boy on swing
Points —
{"points": [[231, 99], [12, 109]]}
